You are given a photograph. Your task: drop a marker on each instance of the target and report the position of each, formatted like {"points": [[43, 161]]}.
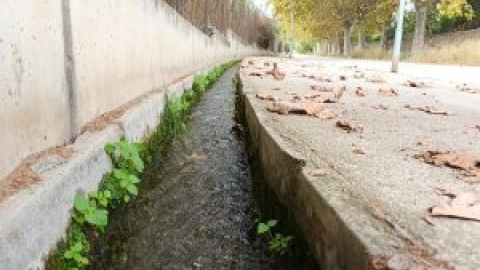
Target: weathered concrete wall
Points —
{"points": [[33, 96], [65, 62]]}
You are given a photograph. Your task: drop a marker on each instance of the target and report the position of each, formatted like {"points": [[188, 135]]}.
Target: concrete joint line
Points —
{"points": [[70, 74]]}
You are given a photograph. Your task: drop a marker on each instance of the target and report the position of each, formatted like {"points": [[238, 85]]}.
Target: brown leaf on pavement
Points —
{"points": [[256, 74], [319, 172], [468, 89], [277, 75], [347, 126], [343, 78], [468, 164], [325, 115], [429, 110], [267, 97], [358, 150], [322, 88], [251, 63], [415, 84], [388, 92], [380, 107], [375, 78], [304, 107], [463, 206], [360, 92]]}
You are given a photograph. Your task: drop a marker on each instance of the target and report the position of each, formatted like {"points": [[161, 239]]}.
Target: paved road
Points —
{"points": [[446, 73], [375, 165]]}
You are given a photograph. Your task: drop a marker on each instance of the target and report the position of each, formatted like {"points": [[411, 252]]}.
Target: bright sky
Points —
{"points": [[264, 6]]}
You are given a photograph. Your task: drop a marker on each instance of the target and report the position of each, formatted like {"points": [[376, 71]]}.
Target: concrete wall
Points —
{"points": [[33, 96], [65, 62]]}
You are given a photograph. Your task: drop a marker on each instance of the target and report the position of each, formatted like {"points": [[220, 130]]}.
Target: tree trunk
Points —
{"points": [[421, 11], [347, 40], [384, 39], [361, 40]]}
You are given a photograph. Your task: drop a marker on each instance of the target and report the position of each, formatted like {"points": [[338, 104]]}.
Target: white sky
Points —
{"points": [[264, 6]]}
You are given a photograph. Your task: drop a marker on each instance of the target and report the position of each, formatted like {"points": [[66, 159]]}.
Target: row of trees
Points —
{"points": [[240, 16], [327, 20]]}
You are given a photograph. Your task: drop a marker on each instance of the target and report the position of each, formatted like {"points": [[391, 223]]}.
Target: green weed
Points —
{"points": [[278, 243]]}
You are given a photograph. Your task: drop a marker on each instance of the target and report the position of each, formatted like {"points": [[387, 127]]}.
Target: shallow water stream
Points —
{"points": [[196, 209]]}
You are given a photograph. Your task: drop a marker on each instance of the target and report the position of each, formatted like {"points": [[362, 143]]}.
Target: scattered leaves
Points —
{"points": [[375, 78], [360, 92], [464, 206], [325, 115], [303, 107], [319, 172], [469, 165], [415, 84], [358, 150], [429, 110], [267, 97], [347, 126], [388, 92], [277, 75]]}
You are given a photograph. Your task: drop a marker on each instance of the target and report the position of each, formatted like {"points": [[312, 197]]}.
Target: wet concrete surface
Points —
{"points": [[196, 209]]}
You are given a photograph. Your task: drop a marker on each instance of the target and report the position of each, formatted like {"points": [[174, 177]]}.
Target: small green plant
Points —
{"points": [[75, 249], [102, 197], [86, 210], [77, 255], [200, 83], [126, 155], [278, 243]]}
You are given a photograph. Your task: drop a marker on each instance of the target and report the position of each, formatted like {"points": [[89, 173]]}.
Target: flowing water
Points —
{"points": [[196, 209]]}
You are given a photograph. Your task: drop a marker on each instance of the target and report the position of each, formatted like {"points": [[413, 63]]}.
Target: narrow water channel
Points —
{"points": [[196, 209]]}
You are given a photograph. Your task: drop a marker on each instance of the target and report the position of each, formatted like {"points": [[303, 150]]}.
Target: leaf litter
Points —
{"points": [[462, 206], [467, 164]]}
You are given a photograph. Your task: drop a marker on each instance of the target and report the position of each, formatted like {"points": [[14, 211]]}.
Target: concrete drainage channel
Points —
{"points": [[196, 207]]}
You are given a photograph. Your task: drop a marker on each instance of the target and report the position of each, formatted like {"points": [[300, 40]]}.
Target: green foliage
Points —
{"points": [[75, 250], [120, 185], [264, 228], [127, 156], [87, 210], [278, 243]]}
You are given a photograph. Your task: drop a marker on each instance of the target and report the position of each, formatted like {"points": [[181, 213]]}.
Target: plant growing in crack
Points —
{"points": [[278, 242], [87, 211]]}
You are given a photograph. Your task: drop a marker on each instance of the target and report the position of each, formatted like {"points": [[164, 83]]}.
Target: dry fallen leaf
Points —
{"points": [[343, 78], [304, 107], [277, 75], [469, 165], [358, 150], [463, 206], [380, 107], [375, 78], [416, 84], [256, 74], [267, 97], [347, 126], [322, 88], [388, 92], [325, 115], [360, 92], [319, 172], [429, 110]]}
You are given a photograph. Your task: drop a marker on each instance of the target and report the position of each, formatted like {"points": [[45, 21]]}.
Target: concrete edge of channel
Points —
{"points": [[35, 219], [340, 232]]}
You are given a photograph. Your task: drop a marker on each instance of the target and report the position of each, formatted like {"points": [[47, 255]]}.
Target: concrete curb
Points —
{"points": [[340, 232], [35, 219]]}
